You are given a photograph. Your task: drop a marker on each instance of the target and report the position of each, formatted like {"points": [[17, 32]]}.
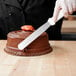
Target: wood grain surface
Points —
{"points": [[60, 62], [68, 26]]}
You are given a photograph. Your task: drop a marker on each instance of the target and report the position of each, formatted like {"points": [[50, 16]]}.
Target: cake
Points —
{"points": [[39, 46]]}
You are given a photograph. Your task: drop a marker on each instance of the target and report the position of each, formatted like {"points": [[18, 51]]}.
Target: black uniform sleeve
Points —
{"points": [[23, 3]]}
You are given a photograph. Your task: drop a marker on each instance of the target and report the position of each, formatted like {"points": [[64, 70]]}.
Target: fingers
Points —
{"points": [[71, 6], [64, 7], [68, 6], [74, 5], [56, 11]]}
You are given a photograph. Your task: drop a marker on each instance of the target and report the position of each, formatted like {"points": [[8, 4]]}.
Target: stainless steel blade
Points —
{"points": [[33, 36]]}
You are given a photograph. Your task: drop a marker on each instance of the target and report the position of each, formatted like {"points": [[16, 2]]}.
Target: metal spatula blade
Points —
{"points": [[33, 36]]}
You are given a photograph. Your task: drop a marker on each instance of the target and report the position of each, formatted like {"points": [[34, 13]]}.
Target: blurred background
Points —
{"points": [[69, 27]]}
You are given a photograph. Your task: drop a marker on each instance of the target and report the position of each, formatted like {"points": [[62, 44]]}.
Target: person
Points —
{"points": [[15, 13]]}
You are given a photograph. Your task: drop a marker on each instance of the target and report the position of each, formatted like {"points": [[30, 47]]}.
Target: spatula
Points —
{"points": [[51, 22]]}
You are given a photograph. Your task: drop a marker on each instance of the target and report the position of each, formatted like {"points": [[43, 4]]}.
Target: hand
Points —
{"points": [[68, 6], [63, 8]]}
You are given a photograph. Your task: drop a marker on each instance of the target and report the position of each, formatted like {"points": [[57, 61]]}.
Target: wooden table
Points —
{"points": [[68, 26], [60, 62]]}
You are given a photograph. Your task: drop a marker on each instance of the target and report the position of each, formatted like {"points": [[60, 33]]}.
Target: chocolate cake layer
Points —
{"points": [[37, 47]]}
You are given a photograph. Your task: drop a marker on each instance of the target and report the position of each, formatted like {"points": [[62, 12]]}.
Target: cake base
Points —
{"points": [[18, 52]]}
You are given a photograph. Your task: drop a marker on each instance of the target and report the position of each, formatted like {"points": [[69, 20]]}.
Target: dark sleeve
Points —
{"points": [[23, 2]]}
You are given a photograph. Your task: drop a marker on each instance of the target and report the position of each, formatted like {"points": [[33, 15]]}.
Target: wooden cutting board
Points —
{"points": [[60, 62]]}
